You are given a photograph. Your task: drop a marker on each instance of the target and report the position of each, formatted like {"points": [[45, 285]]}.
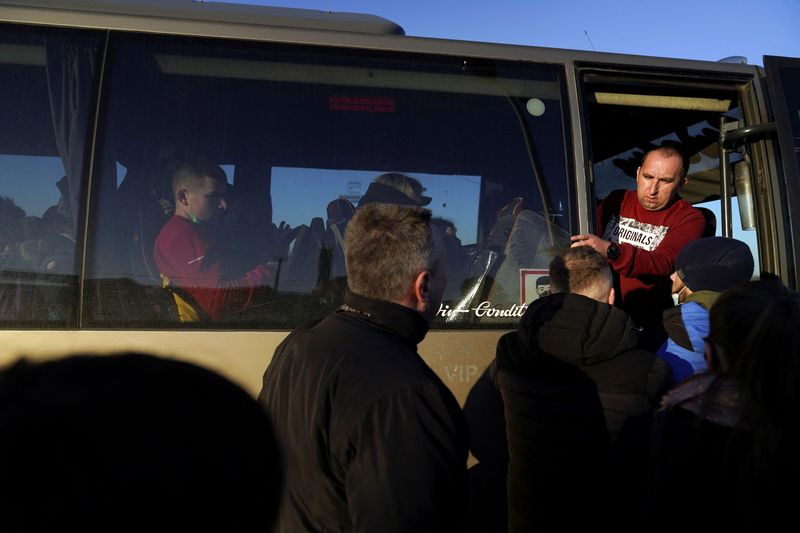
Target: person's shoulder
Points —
{"points": [[357, 351], [686, 210], [616, 197], [174, 229], [693, 309], [321, 335], [413, 401]]}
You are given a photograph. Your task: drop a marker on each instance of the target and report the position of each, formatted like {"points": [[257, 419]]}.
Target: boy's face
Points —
{"points": [[207, 202]]}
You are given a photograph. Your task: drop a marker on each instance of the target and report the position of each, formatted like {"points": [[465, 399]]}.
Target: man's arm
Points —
{"points": [[608, 207], [408, 468], [588, 239]]}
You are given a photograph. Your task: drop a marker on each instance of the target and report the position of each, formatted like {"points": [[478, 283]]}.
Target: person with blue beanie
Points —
{"points": [[704, 269]]}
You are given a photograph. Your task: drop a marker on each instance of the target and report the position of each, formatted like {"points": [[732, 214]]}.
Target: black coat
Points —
{"points": [[569, 377], [372, 438], [690, 467]]}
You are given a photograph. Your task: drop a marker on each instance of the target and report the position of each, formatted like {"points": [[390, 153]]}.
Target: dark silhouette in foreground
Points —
{"points": [[132, 443]]}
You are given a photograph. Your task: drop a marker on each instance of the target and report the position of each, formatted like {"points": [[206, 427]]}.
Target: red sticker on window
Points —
{"points": [[367, 104]]}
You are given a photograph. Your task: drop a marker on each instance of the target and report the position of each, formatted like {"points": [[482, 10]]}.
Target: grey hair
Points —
{"points": [[386, 246]]}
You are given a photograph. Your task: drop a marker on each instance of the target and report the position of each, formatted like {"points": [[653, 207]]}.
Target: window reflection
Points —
{"points": [[302, 134], [47, 81]]}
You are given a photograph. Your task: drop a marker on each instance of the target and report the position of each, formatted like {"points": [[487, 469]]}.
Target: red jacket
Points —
{"points": [[197, 265], [649, 242]]}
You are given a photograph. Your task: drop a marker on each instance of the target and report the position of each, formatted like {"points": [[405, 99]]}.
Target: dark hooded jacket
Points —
{"points": [[569, 377], [372, 439]]}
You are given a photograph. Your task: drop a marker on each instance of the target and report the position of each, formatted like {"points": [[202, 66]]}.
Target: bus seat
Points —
{"points": [[483, 262], [302, 273], [340, 211], [711, 221], [532, 243]]}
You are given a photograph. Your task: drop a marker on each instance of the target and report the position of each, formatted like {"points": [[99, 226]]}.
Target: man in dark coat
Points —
{"points": [[372, 438], [569, 377]]}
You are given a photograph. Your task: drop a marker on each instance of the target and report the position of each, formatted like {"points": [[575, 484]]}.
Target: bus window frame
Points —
{"points": [[784, 147]]}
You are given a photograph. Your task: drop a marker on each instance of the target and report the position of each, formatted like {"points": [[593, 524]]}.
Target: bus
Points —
{"points": [[514, 145]]}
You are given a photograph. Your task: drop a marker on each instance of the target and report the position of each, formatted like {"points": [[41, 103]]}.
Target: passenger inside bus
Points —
{"points": [[195, 265], [395, 188], [33, 249]]}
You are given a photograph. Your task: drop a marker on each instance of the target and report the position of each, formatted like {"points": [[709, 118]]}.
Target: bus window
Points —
{"points": [[748, 236], [302, 133], [47, 85]]}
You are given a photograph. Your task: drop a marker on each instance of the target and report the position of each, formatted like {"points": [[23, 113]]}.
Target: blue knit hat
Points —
{"points": [[714, 264]]}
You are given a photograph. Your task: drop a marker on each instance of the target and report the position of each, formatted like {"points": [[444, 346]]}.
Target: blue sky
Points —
{"points": [[690, 29]]}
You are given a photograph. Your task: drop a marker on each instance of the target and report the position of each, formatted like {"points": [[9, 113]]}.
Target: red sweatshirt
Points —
{"points": [[195, 264], [649, 242]]}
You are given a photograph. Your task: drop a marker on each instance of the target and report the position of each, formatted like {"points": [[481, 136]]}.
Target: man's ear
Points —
{"points": [[611, 296], [422, 290], [183, 196]]}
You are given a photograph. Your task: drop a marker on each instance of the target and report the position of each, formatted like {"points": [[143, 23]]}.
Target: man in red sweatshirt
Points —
{"points": [[643, 231], [188, 254]]}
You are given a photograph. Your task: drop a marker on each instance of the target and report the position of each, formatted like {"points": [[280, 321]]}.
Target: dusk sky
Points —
{"points": [[692, 29]]}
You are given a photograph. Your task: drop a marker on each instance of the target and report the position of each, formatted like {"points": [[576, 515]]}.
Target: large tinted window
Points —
{"points": [[302, 134], [47, 88]]}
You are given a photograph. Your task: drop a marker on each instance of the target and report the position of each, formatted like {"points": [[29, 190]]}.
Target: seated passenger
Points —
{"points": [[12, 229], [395, 188], [188, 252], [457, 260], [340, 211]]}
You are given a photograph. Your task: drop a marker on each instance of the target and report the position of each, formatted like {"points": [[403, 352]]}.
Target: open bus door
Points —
{"points": [[728, 124], [783, 82]]}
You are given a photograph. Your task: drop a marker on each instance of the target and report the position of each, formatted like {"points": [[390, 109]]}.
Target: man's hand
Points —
{"points": [[587, 239]]}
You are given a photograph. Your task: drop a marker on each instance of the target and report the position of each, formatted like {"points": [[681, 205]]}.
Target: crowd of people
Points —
{"points": [[654, 388]]}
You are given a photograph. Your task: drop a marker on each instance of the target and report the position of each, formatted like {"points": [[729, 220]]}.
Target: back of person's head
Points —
{"points": [[755, 339], [191, 173], [405, 184], [132, 442], [581, 270], [671, 149], [714, 264], [386, 246]]}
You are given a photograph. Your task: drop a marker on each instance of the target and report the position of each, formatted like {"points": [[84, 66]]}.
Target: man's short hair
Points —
{"points": [[191, 173], [581, 270], [672, 148], [386, 246]]}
